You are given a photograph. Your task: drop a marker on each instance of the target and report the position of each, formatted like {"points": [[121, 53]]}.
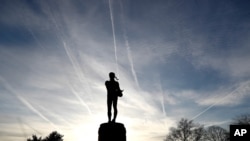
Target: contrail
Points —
{"points": [[33, 35], [218, 123], [22, 122], [30, 31], [80, 99], [75, 64], [72, 59], [80, 75], [113, 31], [54, 115], [130, 58], [22, 128], [69, 53], [218, 101], [25, 102], [162, 101]]}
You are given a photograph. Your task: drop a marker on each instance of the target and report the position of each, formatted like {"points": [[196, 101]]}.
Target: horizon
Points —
{"points": [[174, 59]]}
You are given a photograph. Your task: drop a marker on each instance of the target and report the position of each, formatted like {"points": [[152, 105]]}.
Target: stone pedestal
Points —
{"points": [[112, 132]]}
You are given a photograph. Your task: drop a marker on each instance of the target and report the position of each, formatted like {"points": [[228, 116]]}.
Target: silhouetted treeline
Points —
{"points": [[53, 136], [188, 130], [242, 120]]}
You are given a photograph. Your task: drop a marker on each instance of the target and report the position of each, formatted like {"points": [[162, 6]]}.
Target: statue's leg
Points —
{"points": [[115, 108], [109, 104]]}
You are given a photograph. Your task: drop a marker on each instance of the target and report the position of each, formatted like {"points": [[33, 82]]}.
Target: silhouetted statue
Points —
{"points": [[113, 91], [112, 131]]}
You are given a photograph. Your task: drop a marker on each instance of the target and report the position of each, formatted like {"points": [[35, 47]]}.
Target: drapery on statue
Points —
{"points": [[113, 91]]}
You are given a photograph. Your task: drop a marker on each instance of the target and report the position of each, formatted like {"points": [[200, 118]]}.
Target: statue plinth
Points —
{"points": [[112, 132]]}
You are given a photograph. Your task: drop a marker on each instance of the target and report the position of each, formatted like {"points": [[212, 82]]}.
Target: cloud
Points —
{"points": [[234, 66], [59, 75], [51, 85], [234, 96], [226, 96]]}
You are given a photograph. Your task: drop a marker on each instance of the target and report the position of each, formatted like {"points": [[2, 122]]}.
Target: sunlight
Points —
{"points": [[172, 63], [85, 132], [87, 129]]}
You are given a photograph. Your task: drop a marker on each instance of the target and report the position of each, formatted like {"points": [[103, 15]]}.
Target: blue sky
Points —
{"points": [[174, 59]]}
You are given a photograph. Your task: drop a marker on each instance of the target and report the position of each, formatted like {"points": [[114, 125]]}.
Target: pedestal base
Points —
{"points": [[112, 132]]}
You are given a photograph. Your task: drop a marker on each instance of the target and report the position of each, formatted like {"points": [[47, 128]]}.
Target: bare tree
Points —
{"points": [[54, 136], [242, 120], [34, 138], [216, 133], [186, 131]]}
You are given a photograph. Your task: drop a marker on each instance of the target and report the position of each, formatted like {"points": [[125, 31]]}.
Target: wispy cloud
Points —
{"points": [[234, 96], [169, 65], [25, 102]]}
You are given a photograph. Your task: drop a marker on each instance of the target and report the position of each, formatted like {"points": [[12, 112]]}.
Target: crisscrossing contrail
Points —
{"points": [[113, 31]]}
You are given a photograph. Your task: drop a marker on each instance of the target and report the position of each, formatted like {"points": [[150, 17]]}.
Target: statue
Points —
{"points": [[113, 91], [112, 131]]}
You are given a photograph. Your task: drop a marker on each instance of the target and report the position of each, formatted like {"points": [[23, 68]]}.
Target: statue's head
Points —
{"points": [[112, 76]]}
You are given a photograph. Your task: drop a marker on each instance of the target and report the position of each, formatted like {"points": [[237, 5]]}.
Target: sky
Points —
{"points": [[174, 59]]}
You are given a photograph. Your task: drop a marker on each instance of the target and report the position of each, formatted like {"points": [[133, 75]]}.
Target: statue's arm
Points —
{"points": [[118, 87]]}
